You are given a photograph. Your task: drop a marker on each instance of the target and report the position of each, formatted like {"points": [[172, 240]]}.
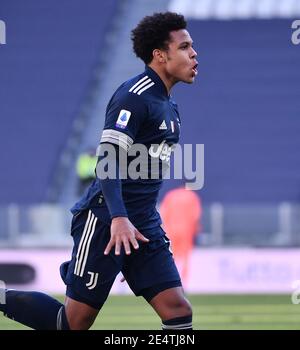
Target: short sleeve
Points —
{"points": [[124, 117]]}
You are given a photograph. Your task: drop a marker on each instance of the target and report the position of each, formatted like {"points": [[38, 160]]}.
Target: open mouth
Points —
{"points": [[195, 70]]}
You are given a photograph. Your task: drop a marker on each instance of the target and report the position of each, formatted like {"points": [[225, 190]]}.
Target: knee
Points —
{"points": [[179, 318], [184, 308], [178, 308], [80, 321], [79, 316]]}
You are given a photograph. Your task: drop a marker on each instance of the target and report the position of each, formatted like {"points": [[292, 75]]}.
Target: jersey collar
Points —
{"points": [[161, 87]]}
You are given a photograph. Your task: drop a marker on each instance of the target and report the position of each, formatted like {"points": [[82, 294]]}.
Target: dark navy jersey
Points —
{"points": [[139, 112]]}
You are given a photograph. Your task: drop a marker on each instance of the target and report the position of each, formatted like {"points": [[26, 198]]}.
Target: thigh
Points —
{"points": [[89, 275], [151, 268]]}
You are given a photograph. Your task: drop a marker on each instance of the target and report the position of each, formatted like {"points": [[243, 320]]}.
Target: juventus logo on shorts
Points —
{"points": [[93, 281]]}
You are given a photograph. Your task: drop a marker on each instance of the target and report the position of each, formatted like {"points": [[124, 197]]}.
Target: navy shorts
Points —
{"points": [[90, 274]]}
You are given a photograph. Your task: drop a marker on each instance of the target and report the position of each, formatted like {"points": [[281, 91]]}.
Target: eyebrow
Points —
{"points": [[186, 42]]}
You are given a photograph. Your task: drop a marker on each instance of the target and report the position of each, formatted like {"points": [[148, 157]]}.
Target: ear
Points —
{"points": [[159, 55]]}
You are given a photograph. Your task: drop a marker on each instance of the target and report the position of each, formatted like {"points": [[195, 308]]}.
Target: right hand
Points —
{"points": [[122, 232]]}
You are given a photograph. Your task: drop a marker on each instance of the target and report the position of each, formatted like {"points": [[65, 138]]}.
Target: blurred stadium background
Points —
{"points": [[58, 69]]}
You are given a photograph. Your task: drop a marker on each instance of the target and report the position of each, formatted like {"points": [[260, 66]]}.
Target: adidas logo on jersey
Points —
{"points": [[163, 126]]}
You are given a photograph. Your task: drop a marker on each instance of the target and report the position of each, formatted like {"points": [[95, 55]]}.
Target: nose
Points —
{"points": [[194, 53]]}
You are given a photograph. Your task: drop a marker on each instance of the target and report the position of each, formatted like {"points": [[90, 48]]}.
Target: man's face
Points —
{"points": [[181, 64]]}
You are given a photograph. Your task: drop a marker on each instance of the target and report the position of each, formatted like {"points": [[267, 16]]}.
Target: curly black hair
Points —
{"points": [[153, 32]]}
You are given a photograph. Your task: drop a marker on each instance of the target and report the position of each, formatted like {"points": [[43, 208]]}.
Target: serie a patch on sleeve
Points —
{"points": [[123, 119]]}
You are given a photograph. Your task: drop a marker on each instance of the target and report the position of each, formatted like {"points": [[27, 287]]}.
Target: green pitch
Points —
{"points": [[210, 312]]}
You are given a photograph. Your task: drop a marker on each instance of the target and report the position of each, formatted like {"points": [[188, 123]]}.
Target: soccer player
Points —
{"points": [[115, 226]]}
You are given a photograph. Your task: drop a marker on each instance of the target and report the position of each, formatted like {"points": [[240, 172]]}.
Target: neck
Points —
{"points": [[166, 78]]}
